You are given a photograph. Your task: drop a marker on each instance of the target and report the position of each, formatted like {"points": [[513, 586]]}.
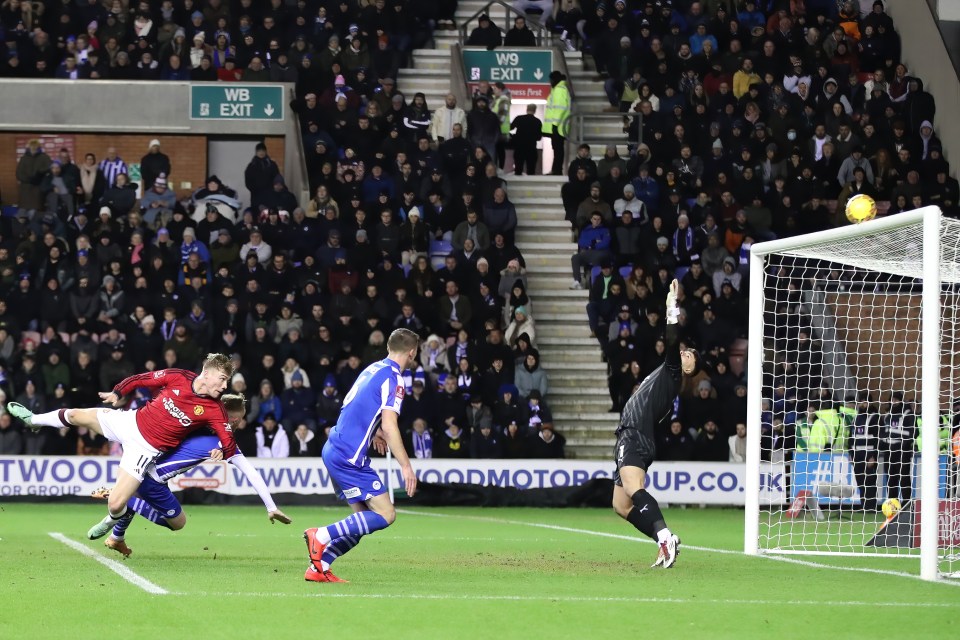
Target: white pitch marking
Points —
{"points": [[603, 534], [113, 565]]}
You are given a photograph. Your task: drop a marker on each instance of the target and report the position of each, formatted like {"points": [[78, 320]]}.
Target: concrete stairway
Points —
{"points": [[578, 377], [578, 382]]}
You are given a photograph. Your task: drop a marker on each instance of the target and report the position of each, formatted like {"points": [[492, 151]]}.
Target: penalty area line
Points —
{"points": [[616, 536], [113, 565]]}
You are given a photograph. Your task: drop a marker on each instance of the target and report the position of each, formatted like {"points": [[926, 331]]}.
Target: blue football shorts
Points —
{"points": [[352, 483]]}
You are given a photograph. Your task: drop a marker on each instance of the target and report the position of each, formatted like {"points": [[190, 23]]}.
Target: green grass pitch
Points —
{"points": [[445, 573]]}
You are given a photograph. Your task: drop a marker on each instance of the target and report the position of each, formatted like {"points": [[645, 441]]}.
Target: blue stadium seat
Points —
{"points": [[625, 271], [9, 210], [680, 272], [594, 272], [440, 248]]}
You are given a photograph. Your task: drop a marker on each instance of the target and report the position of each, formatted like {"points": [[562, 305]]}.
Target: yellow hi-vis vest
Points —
{"points": [[836, 427], [500, 104], [943, 437], [812, 437], [557, 113]]}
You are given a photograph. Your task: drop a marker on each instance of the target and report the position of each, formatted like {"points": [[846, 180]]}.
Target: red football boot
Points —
{"points": [[314, 547], [120, 546], [315, 575]]}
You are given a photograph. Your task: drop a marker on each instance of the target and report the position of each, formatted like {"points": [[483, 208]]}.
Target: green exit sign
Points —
{"points": [[525, 72], [228, 101]]}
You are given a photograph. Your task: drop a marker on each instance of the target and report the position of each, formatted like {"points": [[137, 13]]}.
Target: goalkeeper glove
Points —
{"points": [[673, 312]]}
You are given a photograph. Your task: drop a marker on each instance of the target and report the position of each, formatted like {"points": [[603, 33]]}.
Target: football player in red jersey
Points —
{"points": [[183, 401]]}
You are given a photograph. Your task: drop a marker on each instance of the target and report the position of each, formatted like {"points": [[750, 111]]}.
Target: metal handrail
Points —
{"points": [[458, 77], [577, 118], [540, 31]]}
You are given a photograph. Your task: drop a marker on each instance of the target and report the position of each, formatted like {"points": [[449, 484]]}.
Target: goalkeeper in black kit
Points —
{"points": [[636, 449]]}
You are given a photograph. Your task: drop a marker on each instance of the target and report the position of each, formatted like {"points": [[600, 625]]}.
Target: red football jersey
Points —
{"points": [[176, 410]]}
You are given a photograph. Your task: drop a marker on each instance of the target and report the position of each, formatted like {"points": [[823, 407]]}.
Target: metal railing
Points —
{"points": [[458, 77], [540, 31]]}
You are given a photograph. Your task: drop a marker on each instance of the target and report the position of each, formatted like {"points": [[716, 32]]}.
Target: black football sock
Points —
{"points": [[646, 515]]}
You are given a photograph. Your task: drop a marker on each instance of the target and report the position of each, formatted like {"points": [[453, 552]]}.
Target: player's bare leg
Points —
{"points": [[86, 418], [122, 491], [632, 503]]}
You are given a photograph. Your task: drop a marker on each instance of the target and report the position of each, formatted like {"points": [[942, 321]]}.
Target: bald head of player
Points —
{"points": [[216, 373], [402, 347]]}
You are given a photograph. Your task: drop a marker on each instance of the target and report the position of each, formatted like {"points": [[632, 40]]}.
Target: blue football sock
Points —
{"points": [[336, 549], [145, 510], [357, 525]]}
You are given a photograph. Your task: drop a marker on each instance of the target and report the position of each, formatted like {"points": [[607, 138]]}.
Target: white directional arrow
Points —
{"points": [[268, 110], [538, 73]]}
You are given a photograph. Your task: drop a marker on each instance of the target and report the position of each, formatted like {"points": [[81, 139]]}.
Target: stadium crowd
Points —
{"points": [[409, 225], [745, 121]]}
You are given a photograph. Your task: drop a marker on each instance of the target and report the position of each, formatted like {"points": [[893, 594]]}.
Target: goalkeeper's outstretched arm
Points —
{"points": [[672, 332]]}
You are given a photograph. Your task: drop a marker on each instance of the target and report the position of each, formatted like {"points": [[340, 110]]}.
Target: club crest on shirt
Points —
{"points": [[159, 374], [198, 410]]}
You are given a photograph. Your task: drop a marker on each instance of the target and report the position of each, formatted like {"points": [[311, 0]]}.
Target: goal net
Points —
{"points": [[854, 338]]}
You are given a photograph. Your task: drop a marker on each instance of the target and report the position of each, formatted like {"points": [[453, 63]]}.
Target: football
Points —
{"points": [[891, 507], [861, 208]]}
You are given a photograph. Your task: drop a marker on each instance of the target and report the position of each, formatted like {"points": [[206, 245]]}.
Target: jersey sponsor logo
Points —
{"points": [[198, 410], [175, 411], [159, 374], [376, 485], [352, 493], [176, 392]]}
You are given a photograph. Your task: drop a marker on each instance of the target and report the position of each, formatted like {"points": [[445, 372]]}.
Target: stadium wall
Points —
{"points": [[188, 154], [714, 483]]}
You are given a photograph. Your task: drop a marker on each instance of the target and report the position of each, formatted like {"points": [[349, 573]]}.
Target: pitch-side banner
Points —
{"points": [[717, 483]]}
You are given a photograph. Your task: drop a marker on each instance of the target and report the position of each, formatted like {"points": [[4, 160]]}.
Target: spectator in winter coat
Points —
{"points": [[487, 34], [154, 164], [299, 403], [272, 439], [710, 446], [484, 127], [259, 176], [304, 443], [594, 245], [159, 200], [500, 216], [530, 376]]}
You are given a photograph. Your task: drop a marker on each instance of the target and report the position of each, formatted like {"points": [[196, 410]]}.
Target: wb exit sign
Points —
{"points": [[236, 102]]}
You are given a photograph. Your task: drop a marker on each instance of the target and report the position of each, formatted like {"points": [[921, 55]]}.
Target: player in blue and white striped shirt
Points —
{"points": [[373, 403]]}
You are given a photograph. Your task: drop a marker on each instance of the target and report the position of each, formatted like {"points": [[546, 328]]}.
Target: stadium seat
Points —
{"points": [[594, 272], [625, 271], [680, 272], [440, 247], [9, 210]]}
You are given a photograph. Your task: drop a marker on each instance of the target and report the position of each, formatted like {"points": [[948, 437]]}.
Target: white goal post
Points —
{"points": [[843, 324]]}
